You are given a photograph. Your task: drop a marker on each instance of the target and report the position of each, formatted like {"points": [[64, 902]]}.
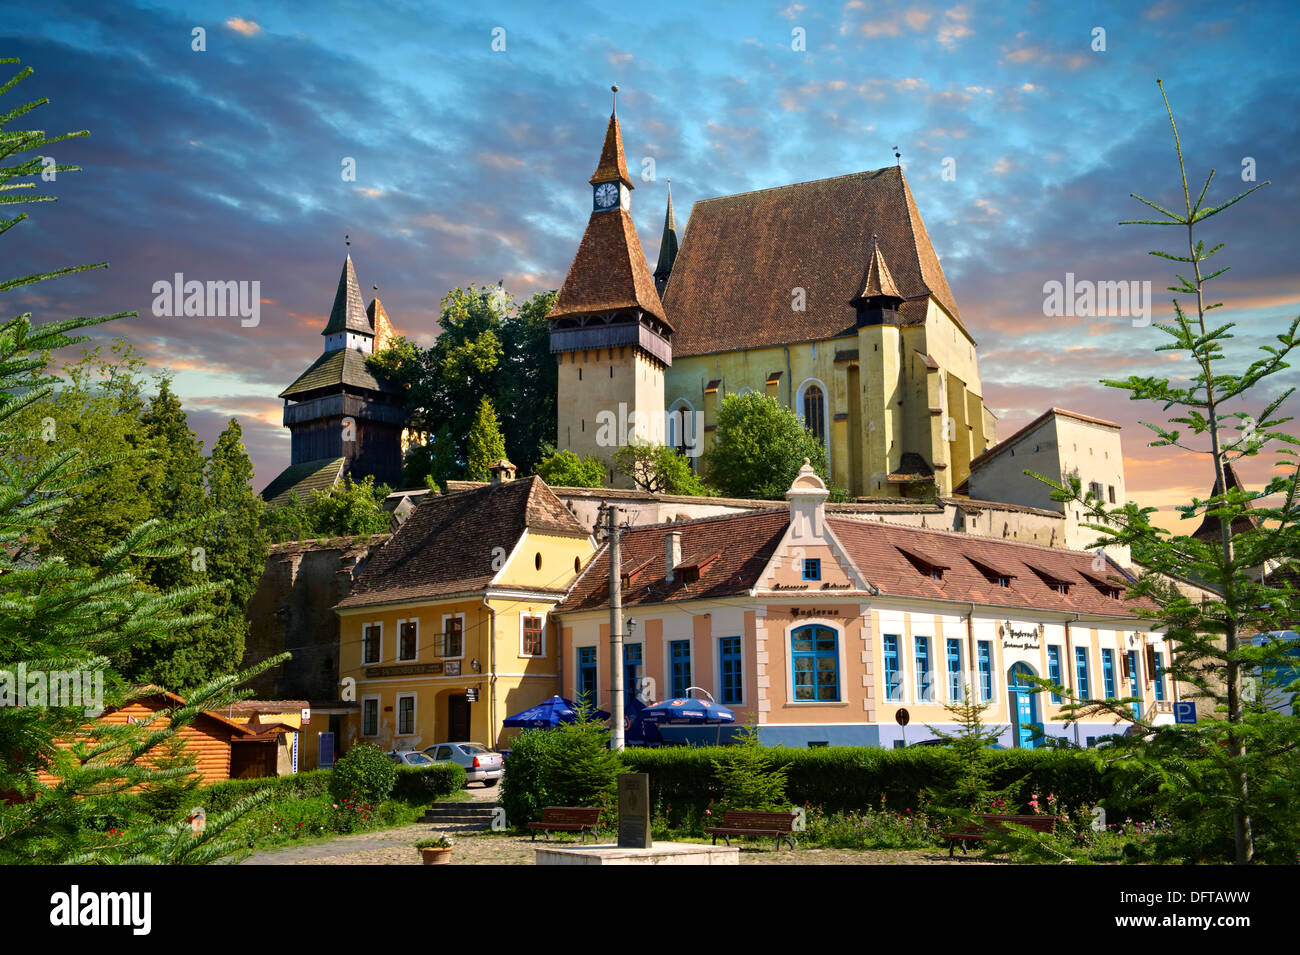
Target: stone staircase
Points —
{"points": [[460, 815]]}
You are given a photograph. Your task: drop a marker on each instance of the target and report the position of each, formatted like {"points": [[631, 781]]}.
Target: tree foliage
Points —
{"points": [[348, 509], [758, 449], [658, 469], [566, 469], [486, 444]]}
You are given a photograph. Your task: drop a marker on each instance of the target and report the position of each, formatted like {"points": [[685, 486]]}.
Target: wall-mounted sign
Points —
{"points": [[453, 668], [306, 716], [1028, 639], [471, 695], [813, 612], [789, 586], [409, 669]]}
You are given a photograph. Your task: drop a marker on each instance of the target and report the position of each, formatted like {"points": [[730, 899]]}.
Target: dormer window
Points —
{"points": [[1059, 584], [933, 567], [999, 575]]}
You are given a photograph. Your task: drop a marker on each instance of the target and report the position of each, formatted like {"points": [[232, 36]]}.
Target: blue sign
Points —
{"points": [[1185, 712]]}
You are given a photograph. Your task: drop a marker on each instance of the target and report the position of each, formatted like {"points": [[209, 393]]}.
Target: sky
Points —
{"points": [[472, 129]]}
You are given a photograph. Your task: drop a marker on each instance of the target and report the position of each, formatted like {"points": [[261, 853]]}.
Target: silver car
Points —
{"points": [[481, 765], [409, 757]]}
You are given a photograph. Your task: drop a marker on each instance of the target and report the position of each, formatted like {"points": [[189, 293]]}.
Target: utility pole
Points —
{"points": [[615, 628]]}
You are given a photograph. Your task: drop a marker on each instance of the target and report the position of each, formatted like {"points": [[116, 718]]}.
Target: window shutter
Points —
{"points": [[1151, 661]]}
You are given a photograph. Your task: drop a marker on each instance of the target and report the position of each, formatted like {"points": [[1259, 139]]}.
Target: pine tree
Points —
{"points": [[1219, 777], [486, 443], [56, 615], [970, 745]]}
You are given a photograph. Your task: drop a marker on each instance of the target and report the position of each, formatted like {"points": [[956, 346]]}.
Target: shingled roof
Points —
{"points": [[343, 366], [349, 312], [302, 479], [612, 166], [732, 279], [446, 545], [878, 282], [731, 552], [1211, 527]]}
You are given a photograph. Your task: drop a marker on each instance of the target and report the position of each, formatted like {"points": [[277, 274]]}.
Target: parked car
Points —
{"points": [[410, 757], [481, 765]]}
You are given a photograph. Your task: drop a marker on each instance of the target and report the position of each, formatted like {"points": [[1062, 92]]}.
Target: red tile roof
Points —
{"points": [[742, 255], [612, 166], [609, 272]]}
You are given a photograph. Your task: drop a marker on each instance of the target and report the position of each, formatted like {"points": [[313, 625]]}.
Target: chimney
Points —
{"points": [[502, 471], [672, 553]]}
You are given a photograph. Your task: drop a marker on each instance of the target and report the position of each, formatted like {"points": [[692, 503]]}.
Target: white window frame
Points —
{"points": [[378, 716], [464, 639], [415, 714], [400, 658], [840, 639], [717, 672], [380, 658], [826, 411], [532, 656], [904, 658]]}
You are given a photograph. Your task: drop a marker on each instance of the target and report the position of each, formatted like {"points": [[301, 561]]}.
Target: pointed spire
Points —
{"points": [[348, 313], [1211, 528], [878, 283], [613, 165], [667, 246], [379, 323]]}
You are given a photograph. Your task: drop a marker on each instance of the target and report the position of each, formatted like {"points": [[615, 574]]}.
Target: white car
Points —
{"points": [[481, 764], [409, 757]]}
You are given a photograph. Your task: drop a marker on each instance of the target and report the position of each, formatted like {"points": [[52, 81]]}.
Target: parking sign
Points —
{"points": [[1185, 712]]}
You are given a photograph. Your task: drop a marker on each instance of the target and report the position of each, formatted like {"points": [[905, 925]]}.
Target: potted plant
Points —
{"points": [[435, 851]]}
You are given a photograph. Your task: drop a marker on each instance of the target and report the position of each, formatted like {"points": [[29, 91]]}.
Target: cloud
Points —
{"points": [[246, 27]]}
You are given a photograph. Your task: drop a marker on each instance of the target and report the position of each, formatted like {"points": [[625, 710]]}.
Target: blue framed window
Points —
{"points": [[815, 663], [732, 684], [893, 668], [954, 671], [679, 653], [633, 658], [1108, 673], [587, 674], [924, 674], [812, 568], [985, 649], [1054, 670], [1081, 668], [1134, 682], [1158, 677]]}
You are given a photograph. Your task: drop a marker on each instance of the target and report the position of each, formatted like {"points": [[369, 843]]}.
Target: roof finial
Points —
{"points": [[347, 240], [898, 157], [614, 109]]}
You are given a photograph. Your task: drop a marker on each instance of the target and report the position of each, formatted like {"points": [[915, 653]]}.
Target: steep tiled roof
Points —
{"points": [[742, 255], [349, 312], [343, 366], [875, 548], [743, 544], [667, 244], [302, 479], [612, 166], [878, 281], [1211, 527], [609, 272], [383, 328], [446, 546]]}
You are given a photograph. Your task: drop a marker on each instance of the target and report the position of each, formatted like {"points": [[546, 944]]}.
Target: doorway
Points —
{"points": [[457, 718], [1029, 730]]}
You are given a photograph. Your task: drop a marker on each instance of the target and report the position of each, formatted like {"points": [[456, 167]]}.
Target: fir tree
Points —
{"points": [[486, 443]]}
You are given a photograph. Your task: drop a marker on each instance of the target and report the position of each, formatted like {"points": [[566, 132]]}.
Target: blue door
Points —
{"points": [[1030, 730]]}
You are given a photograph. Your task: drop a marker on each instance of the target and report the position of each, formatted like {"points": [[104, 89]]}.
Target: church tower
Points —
{"points": [[609, 332], [667, 246], [344, 419]]}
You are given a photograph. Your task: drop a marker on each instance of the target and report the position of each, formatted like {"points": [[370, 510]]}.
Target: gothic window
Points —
{"points": [[814, 412]]}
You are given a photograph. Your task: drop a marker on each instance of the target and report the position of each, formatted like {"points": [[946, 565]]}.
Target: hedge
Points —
{"points": [[844, 778], [415, 783]]}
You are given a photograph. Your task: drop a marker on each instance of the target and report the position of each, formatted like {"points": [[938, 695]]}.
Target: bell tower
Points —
{"points": [[609, 332]]}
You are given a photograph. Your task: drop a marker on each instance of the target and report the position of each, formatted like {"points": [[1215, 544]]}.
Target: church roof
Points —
{"points": [[609, 272], [613, 165], [334, 369], [1211, 527], [349, 312], [383, 328], [302, 479], [668, 243], [446, 545], [732, 279]]}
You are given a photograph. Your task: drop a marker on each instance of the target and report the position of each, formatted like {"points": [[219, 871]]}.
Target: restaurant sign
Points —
{"points": [[408, 669], [1011, 637]]}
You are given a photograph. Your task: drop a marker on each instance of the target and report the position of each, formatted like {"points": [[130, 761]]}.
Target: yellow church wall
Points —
{"points": [[616, 382]]}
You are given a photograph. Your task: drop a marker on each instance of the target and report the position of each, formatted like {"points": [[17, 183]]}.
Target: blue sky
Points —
{"points": [[472, 163]]}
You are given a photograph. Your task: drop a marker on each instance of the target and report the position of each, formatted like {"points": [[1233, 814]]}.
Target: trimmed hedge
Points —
{"points": [[846, 778], [416, 783]]}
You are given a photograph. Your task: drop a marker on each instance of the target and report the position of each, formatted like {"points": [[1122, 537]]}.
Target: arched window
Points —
{"points": [[682, 430], [814, 412], [815, 664]]}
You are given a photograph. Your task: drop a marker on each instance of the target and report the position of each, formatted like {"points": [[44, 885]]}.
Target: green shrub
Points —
{"points": [[364, 774], [750, 776], [426, 783], [570, 765]]}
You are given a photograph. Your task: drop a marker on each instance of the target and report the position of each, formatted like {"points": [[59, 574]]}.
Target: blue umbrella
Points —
{"points": [[687, 710], [640, 730], [549, 714]]}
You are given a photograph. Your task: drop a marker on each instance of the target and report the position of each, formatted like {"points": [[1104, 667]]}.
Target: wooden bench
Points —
{"points": [[581, 819], [737, 822], [990, 824]]}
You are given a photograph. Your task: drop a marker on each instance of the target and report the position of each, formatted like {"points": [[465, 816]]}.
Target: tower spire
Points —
{"points": [[348, 316], [667, 246]]}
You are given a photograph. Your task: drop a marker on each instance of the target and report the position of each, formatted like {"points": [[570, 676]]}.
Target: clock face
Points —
{"points": [[606, 195]]}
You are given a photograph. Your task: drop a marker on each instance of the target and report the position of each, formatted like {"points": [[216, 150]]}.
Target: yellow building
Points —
{"points": [[827, 296], [447, 629]]}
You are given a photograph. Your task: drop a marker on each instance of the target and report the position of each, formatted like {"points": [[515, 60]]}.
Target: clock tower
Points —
{"points": [[609, 332]]}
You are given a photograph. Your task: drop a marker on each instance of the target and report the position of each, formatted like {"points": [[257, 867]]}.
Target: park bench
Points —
{"points": [[988, 825], [581, 819], [737, 822]]}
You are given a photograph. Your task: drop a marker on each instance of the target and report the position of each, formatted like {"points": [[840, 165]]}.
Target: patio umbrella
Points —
{"points": [[549, 714], [687, 710]]}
